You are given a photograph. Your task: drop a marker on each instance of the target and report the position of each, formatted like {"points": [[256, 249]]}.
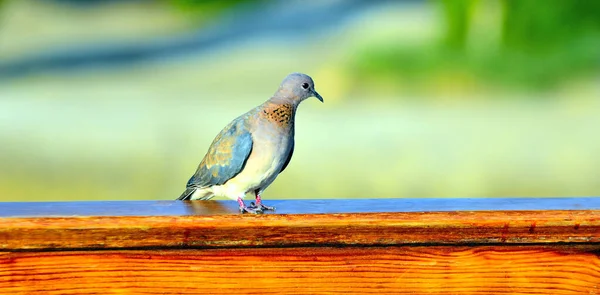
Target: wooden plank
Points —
{"points": [[350, 270], [284, 230], [312, 206]]}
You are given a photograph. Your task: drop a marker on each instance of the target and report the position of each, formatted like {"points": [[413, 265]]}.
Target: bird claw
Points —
{"points": [[262, 207], [250, 209], [257, 208]]}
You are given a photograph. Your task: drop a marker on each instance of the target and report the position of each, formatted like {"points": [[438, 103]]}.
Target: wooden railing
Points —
{"points": [[381, 246]]}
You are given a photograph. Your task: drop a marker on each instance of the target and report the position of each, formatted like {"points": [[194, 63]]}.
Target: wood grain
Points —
{"points": [[453, 228], [207, 248], [325, 270]]}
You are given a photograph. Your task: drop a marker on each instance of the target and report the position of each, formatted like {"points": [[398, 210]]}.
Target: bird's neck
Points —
{"points": [[280, 111], [281, 97]]}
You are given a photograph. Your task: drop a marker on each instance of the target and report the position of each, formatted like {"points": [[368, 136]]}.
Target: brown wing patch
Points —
{"points": [[219, 152], [226, 156]]}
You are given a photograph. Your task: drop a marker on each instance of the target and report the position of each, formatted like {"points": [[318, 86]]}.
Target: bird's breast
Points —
{"points": [[271, 146]]}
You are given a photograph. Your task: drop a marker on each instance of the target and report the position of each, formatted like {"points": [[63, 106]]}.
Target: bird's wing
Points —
{"points": [[226, 156], [289, 158]]}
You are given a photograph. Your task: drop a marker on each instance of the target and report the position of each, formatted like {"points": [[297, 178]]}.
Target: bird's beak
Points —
{"points": [[318, 96]]}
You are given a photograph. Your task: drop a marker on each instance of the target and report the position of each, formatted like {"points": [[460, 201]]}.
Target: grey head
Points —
{"points": [[297, 87]]}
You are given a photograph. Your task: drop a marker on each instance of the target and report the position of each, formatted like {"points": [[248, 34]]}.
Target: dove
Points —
{"points": [[253, 149]]}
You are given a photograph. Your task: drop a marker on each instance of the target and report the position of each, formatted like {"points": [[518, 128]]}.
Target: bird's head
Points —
{"points": [[297, 87]]}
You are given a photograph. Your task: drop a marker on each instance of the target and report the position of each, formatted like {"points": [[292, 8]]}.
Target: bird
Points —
{"points": [[253, 149]]}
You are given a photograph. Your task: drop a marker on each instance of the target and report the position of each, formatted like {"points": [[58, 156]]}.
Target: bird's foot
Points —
{"points": [[250, 209], [253, 210], [262, 207]]}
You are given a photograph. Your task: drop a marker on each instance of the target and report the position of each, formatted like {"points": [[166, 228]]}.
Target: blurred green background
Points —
{"points": [[119, 100]]}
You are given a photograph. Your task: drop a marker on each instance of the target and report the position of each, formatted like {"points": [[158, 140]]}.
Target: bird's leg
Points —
{"points": [[251, 209], [259, 203]]}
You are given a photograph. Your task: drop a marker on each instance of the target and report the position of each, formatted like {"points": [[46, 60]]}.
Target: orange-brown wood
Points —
{"points": [[460, 247], [237, 230], [323, 270]]}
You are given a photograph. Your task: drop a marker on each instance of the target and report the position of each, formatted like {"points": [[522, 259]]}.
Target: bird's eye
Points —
{"points": [[304, 85]]}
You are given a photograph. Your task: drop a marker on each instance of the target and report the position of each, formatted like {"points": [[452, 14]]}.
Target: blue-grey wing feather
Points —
{"points": [[226, 156]]}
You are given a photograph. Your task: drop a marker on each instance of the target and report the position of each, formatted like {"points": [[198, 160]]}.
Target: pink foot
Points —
{"points": [[260, 205], [251, 209]]}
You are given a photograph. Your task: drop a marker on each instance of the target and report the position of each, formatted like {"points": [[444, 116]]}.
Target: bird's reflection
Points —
{"points": [[209, 207]]}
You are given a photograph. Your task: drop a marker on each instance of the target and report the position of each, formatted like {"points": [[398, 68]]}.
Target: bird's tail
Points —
{"points": [[192, 192], [187, 195]]}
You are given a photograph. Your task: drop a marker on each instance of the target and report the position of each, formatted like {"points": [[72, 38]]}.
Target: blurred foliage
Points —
{"points": [[457, 15], [537, 47], [534, 28], [207, 9]]}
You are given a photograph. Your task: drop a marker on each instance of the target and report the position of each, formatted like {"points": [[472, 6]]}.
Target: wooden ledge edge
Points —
{"points": [[280, 230]]}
